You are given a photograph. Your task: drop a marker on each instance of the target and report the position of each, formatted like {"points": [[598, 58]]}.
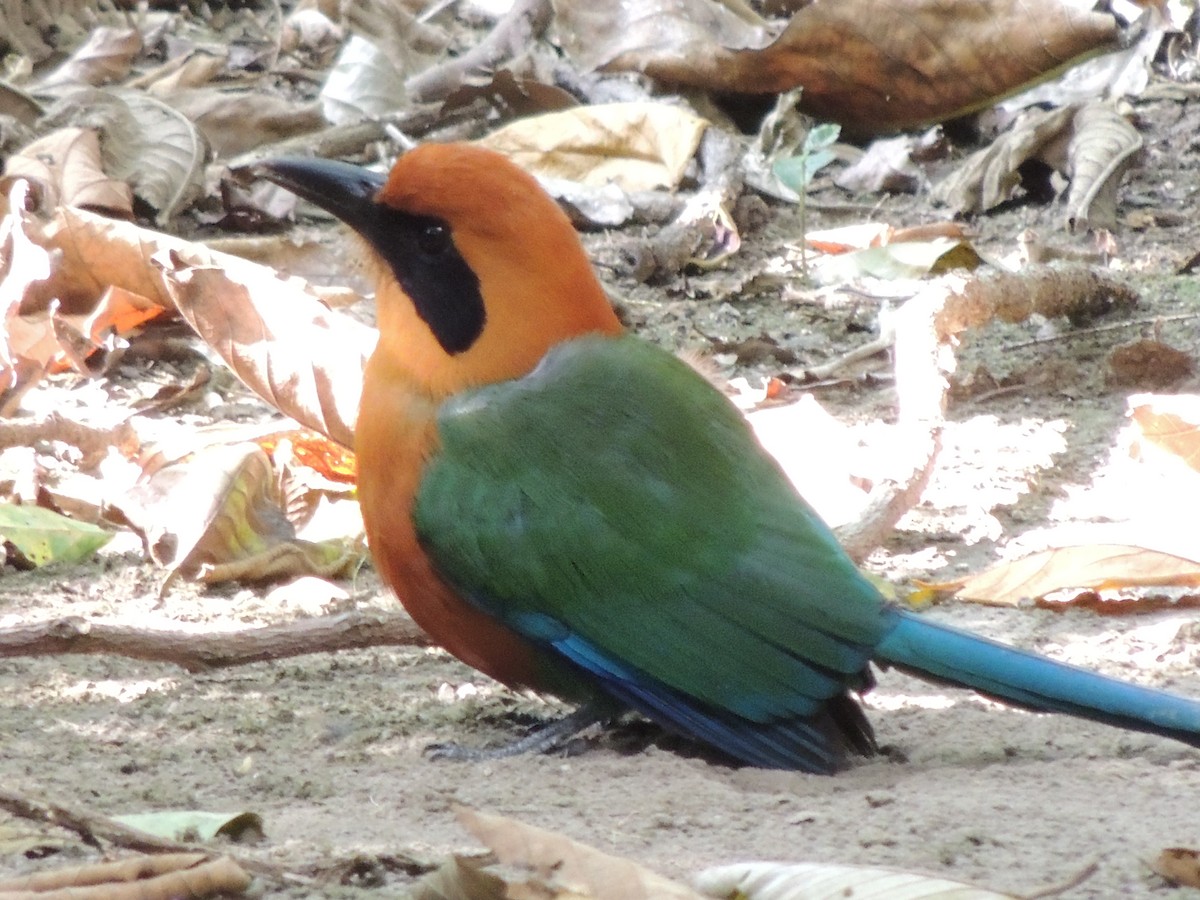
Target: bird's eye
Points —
{"points": [[433, 239]]}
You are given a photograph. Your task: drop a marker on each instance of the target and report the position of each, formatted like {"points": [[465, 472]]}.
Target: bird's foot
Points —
{"points": [[554, 735]]}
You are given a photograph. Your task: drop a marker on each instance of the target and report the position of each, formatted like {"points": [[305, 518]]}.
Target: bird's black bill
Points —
{"points": [[345, 190]]}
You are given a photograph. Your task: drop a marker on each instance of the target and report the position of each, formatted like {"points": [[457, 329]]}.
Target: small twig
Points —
{"points": [[1069, 885], [196, 651], [1099, 329], [93, 828]]}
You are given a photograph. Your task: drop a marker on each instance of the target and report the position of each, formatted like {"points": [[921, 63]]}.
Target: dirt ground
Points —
{"points": [[328, 749]]}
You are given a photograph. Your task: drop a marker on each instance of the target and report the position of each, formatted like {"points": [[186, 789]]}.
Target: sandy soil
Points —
{"points": [[328, 749]]}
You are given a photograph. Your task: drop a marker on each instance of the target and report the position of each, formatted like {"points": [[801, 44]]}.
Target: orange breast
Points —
{"points": [[396, 434]]}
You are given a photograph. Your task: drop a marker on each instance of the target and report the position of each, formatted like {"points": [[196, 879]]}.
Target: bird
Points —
{"points": [[568, 508]]}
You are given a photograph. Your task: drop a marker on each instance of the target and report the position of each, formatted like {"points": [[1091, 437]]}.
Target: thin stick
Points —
{"points": [[200, 651]]}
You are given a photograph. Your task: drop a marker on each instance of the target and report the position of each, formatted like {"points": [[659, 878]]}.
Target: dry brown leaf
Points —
{"points": [[1148, 364], [234, 122], [106, 56], [68, 162], [636, 146], [687, 33], [218, 515], [562, 867], [195, 70], [1091, 566], [510, 96], [870, 66], [1103, 146], [461, 878], [1092, 145], [363, 83], [293, 351], [1170, 422], [1179, 865]]}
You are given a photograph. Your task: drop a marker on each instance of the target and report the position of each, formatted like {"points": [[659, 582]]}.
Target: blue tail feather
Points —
{"points": [[929, 649]]}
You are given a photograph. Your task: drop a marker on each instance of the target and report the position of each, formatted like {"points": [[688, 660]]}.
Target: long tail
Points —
{"points": [[932, 650]]}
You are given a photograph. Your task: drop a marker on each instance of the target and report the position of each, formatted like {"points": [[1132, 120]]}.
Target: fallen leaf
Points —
{"points": [[636, 146], [908, 259], [190, 825], [43, 536], [1146, 363], [106, 56], [830, 881], [868, 66], [1170, 422], [563, 867], [1179, 865], [67, 162], [1094, 566], [303, 358]]}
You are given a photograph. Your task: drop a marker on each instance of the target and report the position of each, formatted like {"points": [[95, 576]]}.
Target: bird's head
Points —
{"points": [[479, 273]]}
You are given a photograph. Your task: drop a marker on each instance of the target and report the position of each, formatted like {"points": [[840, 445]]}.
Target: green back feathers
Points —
{"points": [[614, 495]]}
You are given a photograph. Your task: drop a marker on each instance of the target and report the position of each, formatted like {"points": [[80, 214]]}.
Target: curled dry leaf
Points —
{"points": [[297, 354], [363, 83], [558, 866], [1092, 145], [143, 142], [106, 56], [1089, 566], [869, 66], [235, 122], [828, 881], [1170, 422], [161, 153], [636, 146], [217, 515], [218, 874], [1103, 145], [1179, 865], [68, 163]]}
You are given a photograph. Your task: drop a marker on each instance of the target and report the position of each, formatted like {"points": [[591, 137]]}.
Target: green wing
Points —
{"points": [[614, 507]]}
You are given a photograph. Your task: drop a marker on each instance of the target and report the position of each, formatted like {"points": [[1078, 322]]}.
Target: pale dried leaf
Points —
{"points": [[461, 878], [829, 881], [236, 121], [636, 146], [68, 162], [567, 866], [990, 176], [164, 157], [363, 83], [629, 36], [1103, 146], [1171, 422], [217, 515], [1179, 865], [193, 71], [1088, 566], [105, 57], [301, 357]]}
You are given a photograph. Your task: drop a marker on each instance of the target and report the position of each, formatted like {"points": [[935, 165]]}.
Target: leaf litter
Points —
{"points": [[1034, 446]]}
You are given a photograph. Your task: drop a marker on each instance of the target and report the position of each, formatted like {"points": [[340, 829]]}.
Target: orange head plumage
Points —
{"points": [[487, 272]]}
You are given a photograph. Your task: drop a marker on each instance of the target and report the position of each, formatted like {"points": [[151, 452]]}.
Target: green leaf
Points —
{"points": [[195, 826], [797, 171], [43, 536]]}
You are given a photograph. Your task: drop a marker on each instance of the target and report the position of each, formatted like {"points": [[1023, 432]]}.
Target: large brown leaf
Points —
{"points": [[293, 351], [870, 65]]}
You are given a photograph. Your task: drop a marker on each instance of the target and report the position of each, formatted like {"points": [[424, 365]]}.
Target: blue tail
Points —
{"points": [[931, 650]]}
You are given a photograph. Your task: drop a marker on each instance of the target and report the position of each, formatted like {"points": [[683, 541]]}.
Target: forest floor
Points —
{"points": [[328, 749]]}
